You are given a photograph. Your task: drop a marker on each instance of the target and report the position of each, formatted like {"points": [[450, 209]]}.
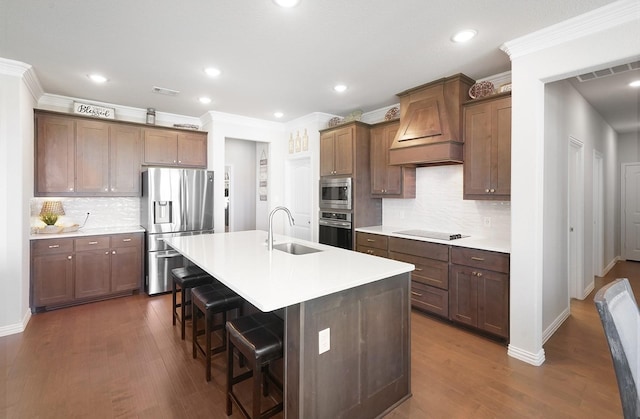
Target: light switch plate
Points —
{"points": [[324, 340]]}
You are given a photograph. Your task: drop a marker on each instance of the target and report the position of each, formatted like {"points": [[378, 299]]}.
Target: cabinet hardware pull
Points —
{"points": [[418, 269], [417, 294], [486, 190], [479, 274], [106, 253], [370, 252], [69, 257], [474, 273], [477, 258], [113, 253], [370, 240], [492, 190], [93, 242], [126, 240], [54, 246]]}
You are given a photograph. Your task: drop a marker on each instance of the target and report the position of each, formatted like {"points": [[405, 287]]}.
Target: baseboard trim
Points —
{"points": [[610, 265], [13, 329], [555, 325], [535, 359]]}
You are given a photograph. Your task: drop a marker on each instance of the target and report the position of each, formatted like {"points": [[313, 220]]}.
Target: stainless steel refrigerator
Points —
{"points": [[175, 202]]}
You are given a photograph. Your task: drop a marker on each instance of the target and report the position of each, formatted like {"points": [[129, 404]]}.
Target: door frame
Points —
{"points": [[575, 217], [598, 213], [290, 193], [623, 204]]}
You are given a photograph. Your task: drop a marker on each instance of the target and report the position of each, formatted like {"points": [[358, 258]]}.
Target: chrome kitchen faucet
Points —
{"points": [[270, 233]]}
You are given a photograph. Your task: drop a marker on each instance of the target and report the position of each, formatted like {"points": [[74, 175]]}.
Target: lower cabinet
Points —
{"points": [[479, 290], [467, 286], [69, 271]]}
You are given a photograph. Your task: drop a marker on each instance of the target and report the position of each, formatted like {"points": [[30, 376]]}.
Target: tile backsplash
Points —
{"points": [[104, 212], [439, 206]]}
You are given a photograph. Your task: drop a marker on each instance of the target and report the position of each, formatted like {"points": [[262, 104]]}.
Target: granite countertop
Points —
{"points": [[89, 232], [271, 280], [476, 242]]}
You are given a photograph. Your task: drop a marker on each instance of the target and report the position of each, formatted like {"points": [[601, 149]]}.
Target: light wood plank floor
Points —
{"points": [[122, 358]]}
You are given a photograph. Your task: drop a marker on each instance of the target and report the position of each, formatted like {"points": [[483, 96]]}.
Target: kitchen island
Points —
{"points": [[363, 369]]}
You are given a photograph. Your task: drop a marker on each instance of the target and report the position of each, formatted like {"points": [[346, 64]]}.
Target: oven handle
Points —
{"points": [[340, 224], [169, 255]]}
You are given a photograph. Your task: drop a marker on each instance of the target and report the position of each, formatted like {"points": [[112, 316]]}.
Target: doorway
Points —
{"points": [[630, 194], [598, 213], [298, 196], [576, 218]]}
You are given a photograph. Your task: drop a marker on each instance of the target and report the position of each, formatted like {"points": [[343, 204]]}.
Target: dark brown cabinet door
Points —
{"points": [[55, 156], [126, 262], [92, 157], [493, 302], [463, 295], [125, 150], [92, 273], [160, 147], [192, 150], [326, 153], [52, 279], [388, 180], [487, 149]]}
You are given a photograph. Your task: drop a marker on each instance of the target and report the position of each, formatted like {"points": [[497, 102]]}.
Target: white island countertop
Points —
{"points": [[271, 280]]}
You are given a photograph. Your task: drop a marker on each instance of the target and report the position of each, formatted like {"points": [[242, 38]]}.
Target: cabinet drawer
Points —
{"points": [[126, 240], [430, 299], [373, 251], [51, 246], [92, 243], [372, 240], [493, 261], [428, 271], [419, 248]]}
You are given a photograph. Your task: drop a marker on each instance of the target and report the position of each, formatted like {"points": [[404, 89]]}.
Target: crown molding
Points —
{"points": [[25, 72], [214, 117], [611, 15]]}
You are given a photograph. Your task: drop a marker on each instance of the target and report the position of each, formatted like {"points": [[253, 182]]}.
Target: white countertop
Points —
{"points": [[476, 242], [89, 232], [273, 280]]}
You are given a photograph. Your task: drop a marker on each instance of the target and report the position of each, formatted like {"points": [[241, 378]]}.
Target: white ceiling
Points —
{"points": [[272, 59]]}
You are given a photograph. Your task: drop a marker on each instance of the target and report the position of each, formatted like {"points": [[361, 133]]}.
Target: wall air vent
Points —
{"points": [[165, 91], [608, 71]]}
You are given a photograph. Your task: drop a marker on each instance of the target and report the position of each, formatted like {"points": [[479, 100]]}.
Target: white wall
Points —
{"points": [[592, 41], [568, 114], [240, 155], [16, 189]]}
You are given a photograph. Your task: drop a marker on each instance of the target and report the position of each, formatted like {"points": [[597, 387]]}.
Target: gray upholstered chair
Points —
{"points": [[621, 321]]}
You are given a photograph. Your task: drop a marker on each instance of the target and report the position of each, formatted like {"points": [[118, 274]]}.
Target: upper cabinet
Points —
{"points": [[77, 156], [487, 148], [430, 131], [82, 156], [168, 147], [387, 180], [336, 151]]}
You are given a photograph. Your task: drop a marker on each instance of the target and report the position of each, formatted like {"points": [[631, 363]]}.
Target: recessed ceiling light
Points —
{"points": [[97, 78], [464, 36], [339, 88], [204, 100], [635, 83], [286, 3], [278, 114], [212, 71]]}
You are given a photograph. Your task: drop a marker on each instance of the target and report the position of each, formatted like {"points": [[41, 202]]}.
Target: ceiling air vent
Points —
{"points": [[609, 71], [165, 91]]}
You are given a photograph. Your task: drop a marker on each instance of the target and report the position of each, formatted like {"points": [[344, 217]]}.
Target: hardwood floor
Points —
{"points": [[122, 358]]}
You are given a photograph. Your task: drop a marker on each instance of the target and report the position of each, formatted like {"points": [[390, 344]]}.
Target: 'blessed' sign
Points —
{"points": [[93, 110]]}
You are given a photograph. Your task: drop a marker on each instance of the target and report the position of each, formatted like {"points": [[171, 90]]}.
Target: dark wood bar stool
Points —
{"points": [[184, 279], [209, 300], [259, 340]]}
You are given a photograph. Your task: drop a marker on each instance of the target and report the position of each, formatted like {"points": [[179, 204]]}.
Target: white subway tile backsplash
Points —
{"points": [[439, 206], [104, 212]]}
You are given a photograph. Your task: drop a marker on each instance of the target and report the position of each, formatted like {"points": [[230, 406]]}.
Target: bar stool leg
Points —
{"points": [[208, 320], [257, 381], [173, 299], [229, 376], [183, 310], [194, 330]]}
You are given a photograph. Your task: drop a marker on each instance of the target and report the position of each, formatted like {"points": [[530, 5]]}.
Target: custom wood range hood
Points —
{"points": [[431, 123]]}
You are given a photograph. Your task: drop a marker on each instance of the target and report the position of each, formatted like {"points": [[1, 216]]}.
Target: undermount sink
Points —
{"points": [[295, 248]]}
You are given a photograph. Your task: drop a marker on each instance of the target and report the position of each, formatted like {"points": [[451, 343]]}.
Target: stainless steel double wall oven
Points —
{"points": [[336, 206]]}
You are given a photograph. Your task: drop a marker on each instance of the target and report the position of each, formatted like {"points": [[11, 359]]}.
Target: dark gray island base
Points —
{"points": [[366, 372]]}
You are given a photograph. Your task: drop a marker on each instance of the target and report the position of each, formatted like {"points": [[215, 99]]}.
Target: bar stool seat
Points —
{"points": [[184, 279], [209, 300], [259, 339]]}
